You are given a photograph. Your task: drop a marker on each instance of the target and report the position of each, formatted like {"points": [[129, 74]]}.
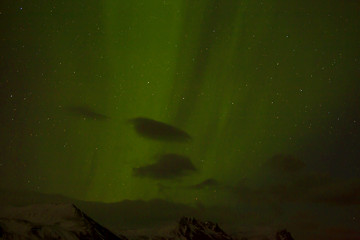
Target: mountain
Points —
{"points": [[50, 221], [283, 235], [64, 221], [192, 229], [189, 228]]}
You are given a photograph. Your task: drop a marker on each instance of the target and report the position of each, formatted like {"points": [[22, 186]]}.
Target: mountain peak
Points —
{"points": [[192, 229], [283, 235], [51, 221]]}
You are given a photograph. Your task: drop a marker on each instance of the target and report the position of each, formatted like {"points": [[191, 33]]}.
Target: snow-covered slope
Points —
{"points": [[188, 228], [50, 221], [66, 222], [192, 229]]}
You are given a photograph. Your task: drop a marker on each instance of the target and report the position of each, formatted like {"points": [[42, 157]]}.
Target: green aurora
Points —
{"points": [[256, 84]]}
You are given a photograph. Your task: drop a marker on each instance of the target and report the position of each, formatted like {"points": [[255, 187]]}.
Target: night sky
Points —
{"points": [[251, 106]]}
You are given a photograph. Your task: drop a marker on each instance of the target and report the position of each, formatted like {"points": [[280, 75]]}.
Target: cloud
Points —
{"points": [[339, 232], [210, 182], [285, 163], [288, 180], [340, 193], [296, 188], [86, 113], [168, 166], [309, 187], [160, 131]]}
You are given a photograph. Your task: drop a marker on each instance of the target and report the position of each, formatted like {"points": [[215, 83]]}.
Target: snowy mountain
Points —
{"points": [[189, 228], [192, 229], [65, 221], [50, 221]]}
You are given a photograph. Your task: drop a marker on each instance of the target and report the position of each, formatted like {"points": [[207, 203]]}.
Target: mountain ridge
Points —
{"points": [[51, 221], [65, 221]]}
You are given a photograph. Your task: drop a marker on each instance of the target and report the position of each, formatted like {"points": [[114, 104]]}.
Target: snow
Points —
{"points": [[49, 221]]}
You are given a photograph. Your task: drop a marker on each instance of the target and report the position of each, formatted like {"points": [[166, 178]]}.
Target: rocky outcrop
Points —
{"points": [[192, 229], [283, 235]]}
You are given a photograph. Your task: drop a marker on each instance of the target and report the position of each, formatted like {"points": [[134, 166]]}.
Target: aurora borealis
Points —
{"points": [[268, 90]]}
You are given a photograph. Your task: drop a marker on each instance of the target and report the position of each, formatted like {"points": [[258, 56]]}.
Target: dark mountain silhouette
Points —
{"points": [[192, 229], [51, 221], [65, 221], [283, 235], [189, 228]]}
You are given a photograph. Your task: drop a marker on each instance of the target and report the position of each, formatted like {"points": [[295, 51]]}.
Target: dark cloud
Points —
{"points": [[86, 113], [156, 130], [340, 232], [285, 163], [287, 180], [163, 189], [168, 166], [312, 180], [210, 182], [296, 188], [340, 193], [243, 192], [308, 187]]}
